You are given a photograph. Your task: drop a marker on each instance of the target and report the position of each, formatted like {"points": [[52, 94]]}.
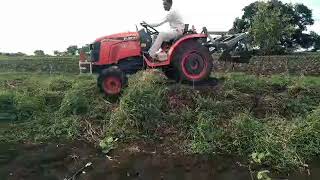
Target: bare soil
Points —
{"points": [[57, 161]]}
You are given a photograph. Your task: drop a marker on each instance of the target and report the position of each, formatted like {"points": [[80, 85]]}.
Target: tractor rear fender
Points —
{"points": [[182, 40]]}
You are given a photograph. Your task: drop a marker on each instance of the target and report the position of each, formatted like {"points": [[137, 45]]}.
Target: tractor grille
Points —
{"points": [[95, 51]]}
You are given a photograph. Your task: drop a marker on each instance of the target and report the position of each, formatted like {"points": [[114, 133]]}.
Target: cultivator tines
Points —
{"points": [[229, 47]]}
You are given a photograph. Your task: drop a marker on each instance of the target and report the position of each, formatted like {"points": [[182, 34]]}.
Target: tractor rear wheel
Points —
{"points": [[192, 61], [111, 81]]}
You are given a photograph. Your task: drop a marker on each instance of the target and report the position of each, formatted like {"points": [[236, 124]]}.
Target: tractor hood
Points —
{"points": [[120, 36]]}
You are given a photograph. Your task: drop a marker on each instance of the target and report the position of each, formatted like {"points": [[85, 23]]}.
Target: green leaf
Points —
{"points": [[263, 175]]}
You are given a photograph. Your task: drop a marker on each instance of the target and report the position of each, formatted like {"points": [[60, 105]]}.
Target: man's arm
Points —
{"points": [[159, 24]]}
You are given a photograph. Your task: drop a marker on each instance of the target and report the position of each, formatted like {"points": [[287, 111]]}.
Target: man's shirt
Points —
{"points": [[174, 19]]}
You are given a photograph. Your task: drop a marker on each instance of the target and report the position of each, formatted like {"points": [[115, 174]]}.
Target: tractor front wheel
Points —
{"points": [[193, 61], [111, 81]]}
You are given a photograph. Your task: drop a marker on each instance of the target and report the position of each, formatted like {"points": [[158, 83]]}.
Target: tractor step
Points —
{"points": [[85, 67]]}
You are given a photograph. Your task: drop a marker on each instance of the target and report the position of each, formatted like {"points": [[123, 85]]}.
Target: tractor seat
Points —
{"points": [[185, 31], [172, 41]]}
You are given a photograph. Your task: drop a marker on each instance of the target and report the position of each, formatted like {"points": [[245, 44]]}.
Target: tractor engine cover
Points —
{"points": [[117, 47]]}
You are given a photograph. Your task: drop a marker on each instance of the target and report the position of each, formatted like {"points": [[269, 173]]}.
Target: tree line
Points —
{"points": [[70, 51]]}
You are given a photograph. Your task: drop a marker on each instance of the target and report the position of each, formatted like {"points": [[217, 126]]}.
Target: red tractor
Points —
{"points": [[116, 56]]}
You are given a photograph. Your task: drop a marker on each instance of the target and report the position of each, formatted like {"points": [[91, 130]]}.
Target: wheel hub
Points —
{"points": [[112, 85], [194, 65]]}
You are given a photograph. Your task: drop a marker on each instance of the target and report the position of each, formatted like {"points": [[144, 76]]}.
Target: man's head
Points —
{"points": [[167, 4]]}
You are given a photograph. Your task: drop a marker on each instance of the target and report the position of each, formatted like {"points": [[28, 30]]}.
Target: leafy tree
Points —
{"points": [[299, 17], [85, 48], [39, 53], [316, 41], [72, 50], [269, 27], [58, 53], [20, 54]]}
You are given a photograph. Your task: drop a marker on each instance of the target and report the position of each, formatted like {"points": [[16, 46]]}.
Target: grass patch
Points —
{"points": [[60, 84], [28, 106], [49, 107], [7, 106], [305, 137], [285, 145], [74, 103], [274, 116], [246, 83]]}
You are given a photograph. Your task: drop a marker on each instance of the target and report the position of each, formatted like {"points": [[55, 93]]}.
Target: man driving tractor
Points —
{"points": [[176, 24], [187, 60]]}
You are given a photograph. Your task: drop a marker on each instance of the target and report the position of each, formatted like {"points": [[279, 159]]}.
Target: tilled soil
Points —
{"points": [[57, 161]]}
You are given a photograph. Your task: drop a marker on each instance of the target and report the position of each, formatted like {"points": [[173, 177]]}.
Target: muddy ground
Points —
{"points": [[57, 161]]}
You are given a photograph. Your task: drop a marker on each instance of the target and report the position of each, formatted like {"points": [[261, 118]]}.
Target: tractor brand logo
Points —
{"points": [[130, 38], [109, 40]]}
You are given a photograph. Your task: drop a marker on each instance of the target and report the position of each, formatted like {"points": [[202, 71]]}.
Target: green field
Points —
{"points": [[294, 64], [19, 58], [46, 64], [270, 121]]}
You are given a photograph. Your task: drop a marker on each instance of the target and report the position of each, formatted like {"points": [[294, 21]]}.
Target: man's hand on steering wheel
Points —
{"points": [[143, 23], [149, 28]]}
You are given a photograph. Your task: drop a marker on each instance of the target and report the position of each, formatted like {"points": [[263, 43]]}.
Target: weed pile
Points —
{"points": [[142, 106]]}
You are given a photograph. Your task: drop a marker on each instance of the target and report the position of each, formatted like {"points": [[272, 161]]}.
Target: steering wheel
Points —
{"points": [[150, 30]]}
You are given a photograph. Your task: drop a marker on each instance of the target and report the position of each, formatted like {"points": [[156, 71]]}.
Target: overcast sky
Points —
{"points": [[28, 25]]}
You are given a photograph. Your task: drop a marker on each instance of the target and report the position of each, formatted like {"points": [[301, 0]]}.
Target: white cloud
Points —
{"points": [[56, 24]]}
